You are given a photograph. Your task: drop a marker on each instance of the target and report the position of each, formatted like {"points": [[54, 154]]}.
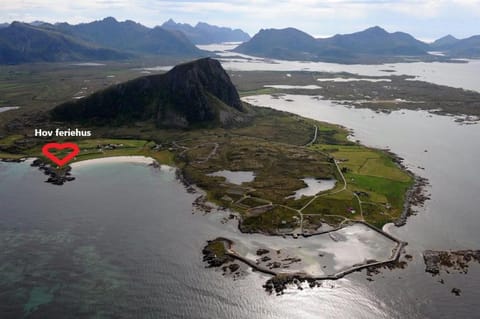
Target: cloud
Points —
{"points": [[427, 18]]}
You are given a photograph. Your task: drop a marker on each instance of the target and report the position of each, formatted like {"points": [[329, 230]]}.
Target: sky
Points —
{"points": [[424, 19]]}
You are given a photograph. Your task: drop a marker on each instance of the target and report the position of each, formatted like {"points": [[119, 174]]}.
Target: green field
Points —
{"points": [[378, 181]]}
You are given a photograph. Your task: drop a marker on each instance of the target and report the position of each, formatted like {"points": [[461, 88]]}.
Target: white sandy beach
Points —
{"points": [[114, 159]]}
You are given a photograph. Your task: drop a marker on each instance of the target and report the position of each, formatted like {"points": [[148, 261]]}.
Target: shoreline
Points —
{"points": [[138, 159], [416, 194]]}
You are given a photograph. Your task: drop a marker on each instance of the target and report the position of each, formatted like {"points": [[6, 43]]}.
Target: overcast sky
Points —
{"points": [[425, 19]]}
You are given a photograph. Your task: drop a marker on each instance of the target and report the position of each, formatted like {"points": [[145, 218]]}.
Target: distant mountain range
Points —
{"points": [[106, 39], [204, 33], [372, 45], [109, 39], [194, 94], [132, 37]]}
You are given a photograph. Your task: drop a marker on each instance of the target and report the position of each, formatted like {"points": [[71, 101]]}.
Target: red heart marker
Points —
{"points": [[57, 146]]}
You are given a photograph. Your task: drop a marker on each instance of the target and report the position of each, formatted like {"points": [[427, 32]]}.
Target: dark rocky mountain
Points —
{"points": [[193, 94], [466, 48], [371, 44], [287, 44], [204, 33], [133, 37], [377, 41], [444, 43], [458, 48], [20, 43]]}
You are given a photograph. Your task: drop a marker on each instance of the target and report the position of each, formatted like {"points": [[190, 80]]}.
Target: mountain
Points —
{"points": [[37, 23], [444, 43], [286, 44], [371, 44], [204, 33], [377, 41], [458, 48], [465, 48], [4, 25], [20, 43], [197, 93], [133, 37]]}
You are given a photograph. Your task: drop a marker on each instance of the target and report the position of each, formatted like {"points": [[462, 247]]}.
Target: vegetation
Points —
{"points": [[377, 181]]}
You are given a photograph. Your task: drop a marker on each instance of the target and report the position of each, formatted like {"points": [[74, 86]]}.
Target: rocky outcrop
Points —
{"points": [[449, 260], [56, 176], [215, 253]]}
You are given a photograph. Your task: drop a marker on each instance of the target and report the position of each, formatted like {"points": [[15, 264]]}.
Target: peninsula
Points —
{"points": [[280, 174]]}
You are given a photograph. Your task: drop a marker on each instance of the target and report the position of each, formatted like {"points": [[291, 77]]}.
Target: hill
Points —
{"points": [[204, 33], [20, 43], [193, 94]]}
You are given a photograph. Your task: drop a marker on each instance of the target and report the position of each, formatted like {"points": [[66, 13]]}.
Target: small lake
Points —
{"points": [[314, 186], [352, 80], [235, 177], [305, 87]]}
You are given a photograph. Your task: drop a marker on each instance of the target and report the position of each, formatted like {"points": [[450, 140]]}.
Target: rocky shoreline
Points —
{"points": [[415, 196], [56, 176]]}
